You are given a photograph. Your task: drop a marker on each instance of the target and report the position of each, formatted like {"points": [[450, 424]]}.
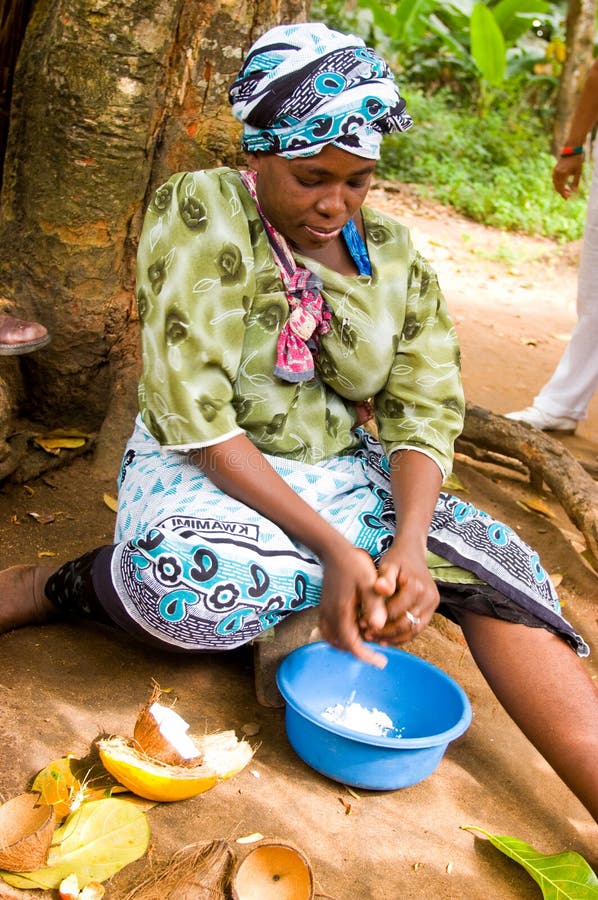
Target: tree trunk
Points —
{"points": [[109, 98], [581, 19]]}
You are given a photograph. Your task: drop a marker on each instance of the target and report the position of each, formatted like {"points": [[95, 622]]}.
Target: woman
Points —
{"points": [[274, 306]]}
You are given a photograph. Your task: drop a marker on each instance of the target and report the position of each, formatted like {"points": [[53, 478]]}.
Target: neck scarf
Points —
{"points": [[309, 317], [304, 86]]}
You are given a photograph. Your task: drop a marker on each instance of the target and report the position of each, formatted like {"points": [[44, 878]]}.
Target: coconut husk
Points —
{"points": [[273, 870], [196, 872], [26, 829], [150, 740]]}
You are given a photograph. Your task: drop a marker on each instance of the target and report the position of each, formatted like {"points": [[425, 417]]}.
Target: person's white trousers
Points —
{"points": [[575, 378]]}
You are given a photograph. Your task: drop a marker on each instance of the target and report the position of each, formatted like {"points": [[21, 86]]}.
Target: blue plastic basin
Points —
{"points": [[427, 707]]}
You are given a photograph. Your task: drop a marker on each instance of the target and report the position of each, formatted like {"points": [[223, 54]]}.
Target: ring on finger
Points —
{"points": [[412, 618]]}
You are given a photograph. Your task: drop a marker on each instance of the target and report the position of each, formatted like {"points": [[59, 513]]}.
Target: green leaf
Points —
{"points": [[488, 45], [94, 842], [561, 876], [383, 18], [515, 17], [410, 19]]}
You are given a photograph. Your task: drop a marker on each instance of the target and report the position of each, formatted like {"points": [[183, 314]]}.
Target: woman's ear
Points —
{"points": [[252, 161]]}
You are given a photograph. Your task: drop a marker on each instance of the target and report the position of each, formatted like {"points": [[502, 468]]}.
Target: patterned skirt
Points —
{"points": [[197, 570]]}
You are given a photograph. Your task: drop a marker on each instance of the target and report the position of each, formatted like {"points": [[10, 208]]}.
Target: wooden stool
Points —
{"points": [[271, 647]]}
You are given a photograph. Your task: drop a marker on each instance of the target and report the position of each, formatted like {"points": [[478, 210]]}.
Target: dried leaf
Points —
{"points": [[61, 439], [453, 483], [42, 518], [96, 841], [65, 786], [345, 804], [536, 504], [111, 502], [556, 579], [250, 838], [352, 792], [590, 559], [561, 876], [41, 554]]}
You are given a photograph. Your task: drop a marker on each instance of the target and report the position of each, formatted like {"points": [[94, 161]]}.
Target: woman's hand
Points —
{"points": [[349, 593], [403, 580], [567, 174], [411, 597]]}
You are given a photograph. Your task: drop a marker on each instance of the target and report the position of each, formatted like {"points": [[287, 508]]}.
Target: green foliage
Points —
{"points": [[498, 172], [561, 876]]}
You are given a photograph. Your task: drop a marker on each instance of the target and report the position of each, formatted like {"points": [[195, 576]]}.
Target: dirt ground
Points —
{"points": [[513, 303]]}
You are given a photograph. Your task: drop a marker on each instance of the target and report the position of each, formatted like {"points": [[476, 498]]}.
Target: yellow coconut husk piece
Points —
{"points": [[195, 872], [150, 734], [222, 756], [273, 871], [26, 829]]}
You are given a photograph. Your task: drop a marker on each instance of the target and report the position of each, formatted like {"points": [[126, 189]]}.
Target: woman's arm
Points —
{"points": [[239, 469], [567, 172], [403, 575]]}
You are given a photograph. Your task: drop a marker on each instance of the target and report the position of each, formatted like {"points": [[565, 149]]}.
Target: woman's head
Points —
{"points": [[309, 199], [303, 87]]}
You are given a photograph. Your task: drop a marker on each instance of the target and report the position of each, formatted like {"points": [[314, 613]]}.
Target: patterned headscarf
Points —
{"points": [[302, 87]]}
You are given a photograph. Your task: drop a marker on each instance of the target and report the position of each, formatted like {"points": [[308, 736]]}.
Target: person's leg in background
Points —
{"points": [[564, 399]]}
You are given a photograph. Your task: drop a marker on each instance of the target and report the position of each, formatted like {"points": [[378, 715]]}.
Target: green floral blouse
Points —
{"points": [[211, 305]]}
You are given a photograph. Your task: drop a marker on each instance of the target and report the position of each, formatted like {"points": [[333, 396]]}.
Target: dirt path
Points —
{"points": [[512, 300]]}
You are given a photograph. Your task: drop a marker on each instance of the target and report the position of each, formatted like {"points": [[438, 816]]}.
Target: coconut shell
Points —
{"points": [[273, 871], [26, 829]]}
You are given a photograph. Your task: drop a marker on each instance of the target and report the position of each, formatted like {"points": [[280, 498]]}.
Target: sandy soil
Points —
{"points": [[513, 302]]}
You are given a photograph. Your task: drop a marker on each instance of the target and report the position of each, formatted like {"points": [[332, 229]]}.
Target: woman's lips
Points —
{"points": [[321, 234]]}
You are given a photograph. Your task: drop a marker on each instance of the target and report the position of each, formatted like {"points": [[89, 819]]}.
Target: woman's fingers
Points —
{"points": [[351, 641]]}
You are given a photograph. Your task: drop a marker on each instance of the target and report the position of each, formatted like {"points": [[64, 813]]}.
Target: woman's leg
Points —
{"points": [[22, 597], [31, 595], [547, 691]]}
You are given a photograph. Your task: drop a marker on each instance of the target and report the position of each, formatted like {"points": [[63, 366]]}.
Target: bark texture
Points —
{"points": [[581, 27], [109, 98]]}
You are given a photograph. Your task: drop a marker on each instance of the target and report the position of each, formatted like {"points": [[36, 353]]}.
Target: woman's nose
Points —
{"points": [[331, 202]]}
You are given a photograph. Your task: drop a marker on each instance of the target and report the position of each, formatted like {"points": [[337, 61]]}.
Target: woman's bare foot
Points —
{"points": [[22, 597]]}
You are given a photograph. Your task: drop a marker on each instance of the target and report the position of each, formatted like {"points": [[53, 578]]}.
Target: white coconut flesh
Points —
{"points": [[173, 729]]}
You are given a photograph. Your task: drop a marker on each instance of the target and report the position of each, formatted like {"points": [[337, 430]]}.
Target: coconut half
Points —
{"points": [[273, 871], [26, 829], [222, 755]]}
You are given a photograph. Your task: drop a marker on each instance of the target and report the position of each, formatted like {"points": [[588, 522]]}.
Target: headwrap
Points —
{"points": [[302, 87]]}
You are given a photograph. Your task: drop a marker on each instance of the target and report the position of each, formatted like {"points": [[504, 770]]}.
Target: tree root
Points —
{"points": [[493, 438]]}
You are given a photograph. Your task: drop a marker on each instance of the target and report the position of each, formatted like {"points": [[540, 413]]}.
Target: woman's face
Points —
{"points": [[310, 199]]}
